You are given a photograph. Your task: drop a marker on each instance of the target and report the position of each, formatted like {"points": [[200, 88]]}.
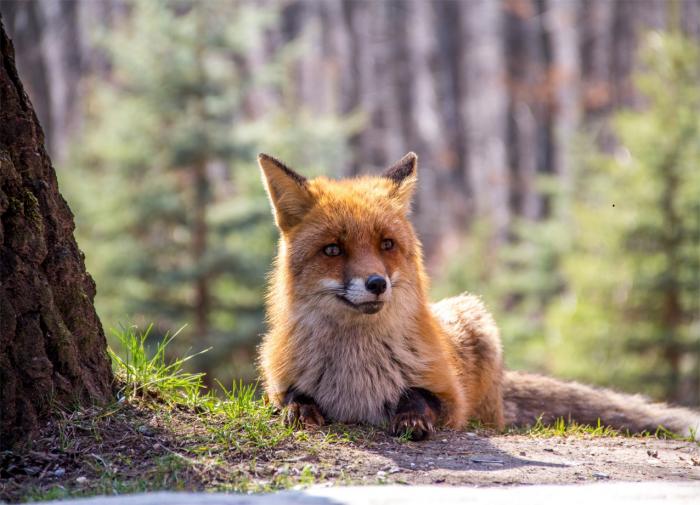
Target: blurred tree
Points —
{"points": [[607, 288], [518, 281], [50, 60], [170, 199], [417, 69], [633, 303]]}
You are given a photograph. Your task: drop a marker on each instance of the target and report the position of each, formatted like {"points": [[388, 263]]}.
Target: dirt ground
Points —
{"points": [[469, 458], [136, 449]]}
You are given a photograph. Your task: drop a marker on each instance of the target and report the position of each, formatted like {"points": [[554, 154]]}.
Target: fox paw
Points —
{"points": [[413, 425], [304, 415]]}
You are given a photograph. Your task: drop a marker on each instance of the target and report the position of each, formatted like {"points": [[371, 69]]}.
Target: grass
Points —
{"points": [[237, 418], [250, 422], [567, 428], [164, 474], [143, 374]]}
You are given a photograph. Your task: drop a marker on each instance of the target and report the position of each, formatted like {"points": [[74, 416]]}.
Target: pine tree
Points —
{"points": [[607, 288], [170, 205], [632, 314]]}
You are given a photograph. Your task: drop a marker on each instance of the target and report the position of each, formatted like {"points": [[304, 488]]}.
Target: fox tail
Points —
{"points": [[529, 397]]}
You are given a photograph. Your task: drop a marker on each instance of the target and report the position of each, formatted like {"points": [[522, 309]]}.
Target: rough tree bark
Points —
{"points": [[52, 346]]}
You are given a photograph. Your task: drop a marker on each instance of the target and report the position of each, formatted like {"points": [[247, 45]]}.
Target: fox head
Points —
{"points": [[347, 247]]}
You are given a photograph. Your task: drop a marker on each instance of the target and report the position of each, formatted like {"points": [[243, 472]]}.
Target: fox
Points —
{"points": [[353, 338]]}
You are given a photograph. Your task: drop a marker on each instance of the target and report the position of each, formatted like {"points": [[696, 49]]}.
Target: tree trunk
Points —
{"points": [[52, 346], [527, 84], [485, 110], [565, 51]]}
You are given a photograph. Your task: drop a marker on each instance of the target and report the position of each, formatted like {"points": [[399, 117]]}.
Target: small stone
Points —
{"points": [[394, 469], [81, 480], [486, 461], [600, 475], [145, 430], [59, 472], [381, 474], [312, 469]]}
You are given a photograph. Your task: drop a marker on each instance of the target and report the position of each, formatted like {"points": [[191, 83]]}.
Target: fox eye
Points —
{"points": [[387, 244], [332, 250]]}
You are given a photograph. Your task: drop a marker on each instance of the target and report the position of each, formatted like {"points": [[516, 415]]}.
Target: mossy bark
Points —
{"points": [[52, 345]]}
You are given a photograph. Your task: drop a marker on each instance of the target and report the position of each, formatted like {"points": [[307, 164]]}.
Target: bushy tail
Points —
{"points": [[529, 396]]}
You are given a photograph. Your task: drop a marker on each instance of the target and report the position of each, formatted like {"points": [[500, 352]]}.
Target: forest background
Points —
{"points": [[559, 147]]}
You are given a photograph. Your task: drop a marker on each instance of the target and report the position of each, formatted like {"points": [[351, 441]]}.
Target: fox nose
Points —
{"points": [[376, 284]]}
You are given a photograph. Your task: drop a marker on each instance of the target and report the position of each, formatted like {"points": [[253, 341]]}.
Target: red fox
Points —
{"points": [[353, 338]]}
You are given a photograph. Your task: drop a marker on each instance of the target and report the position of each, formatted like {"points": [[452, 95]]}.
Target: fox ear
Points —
{"points": [[287, 190], [404, 174]]}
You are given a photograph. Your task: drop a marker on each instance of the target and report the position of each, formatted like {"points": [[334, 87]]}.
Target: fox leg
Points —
{"points": [[302, 410], [417, 413]]}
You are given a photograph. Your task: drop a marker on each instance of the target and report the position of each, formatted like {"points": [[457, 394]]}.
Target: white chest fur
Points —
{"points": [[354, 375]]}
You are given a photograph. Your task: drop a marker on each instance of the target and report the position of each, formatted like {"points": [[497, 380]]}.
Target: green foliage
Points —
{"points": [[563, 428], [633, 303], [144, 373], [250, 421], [169, 207], [607, 288], [567, 428], [517, 281], [237, 418]]}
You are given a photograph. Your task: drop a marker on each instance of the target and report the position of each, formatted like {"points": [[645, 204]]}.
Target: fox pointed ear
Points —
{"points": [[404, 174], [287, 190]]}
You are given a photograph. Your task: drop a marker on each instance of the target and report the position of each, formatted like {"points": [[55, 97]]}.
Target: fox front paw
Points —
{"points": [[414, 425], [416, 414], [304, 415], [301, 410]]}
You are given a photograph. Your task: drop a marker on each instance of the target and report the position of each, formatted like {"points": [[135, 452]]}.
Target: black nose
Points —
{"points": [[376, 284]]}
